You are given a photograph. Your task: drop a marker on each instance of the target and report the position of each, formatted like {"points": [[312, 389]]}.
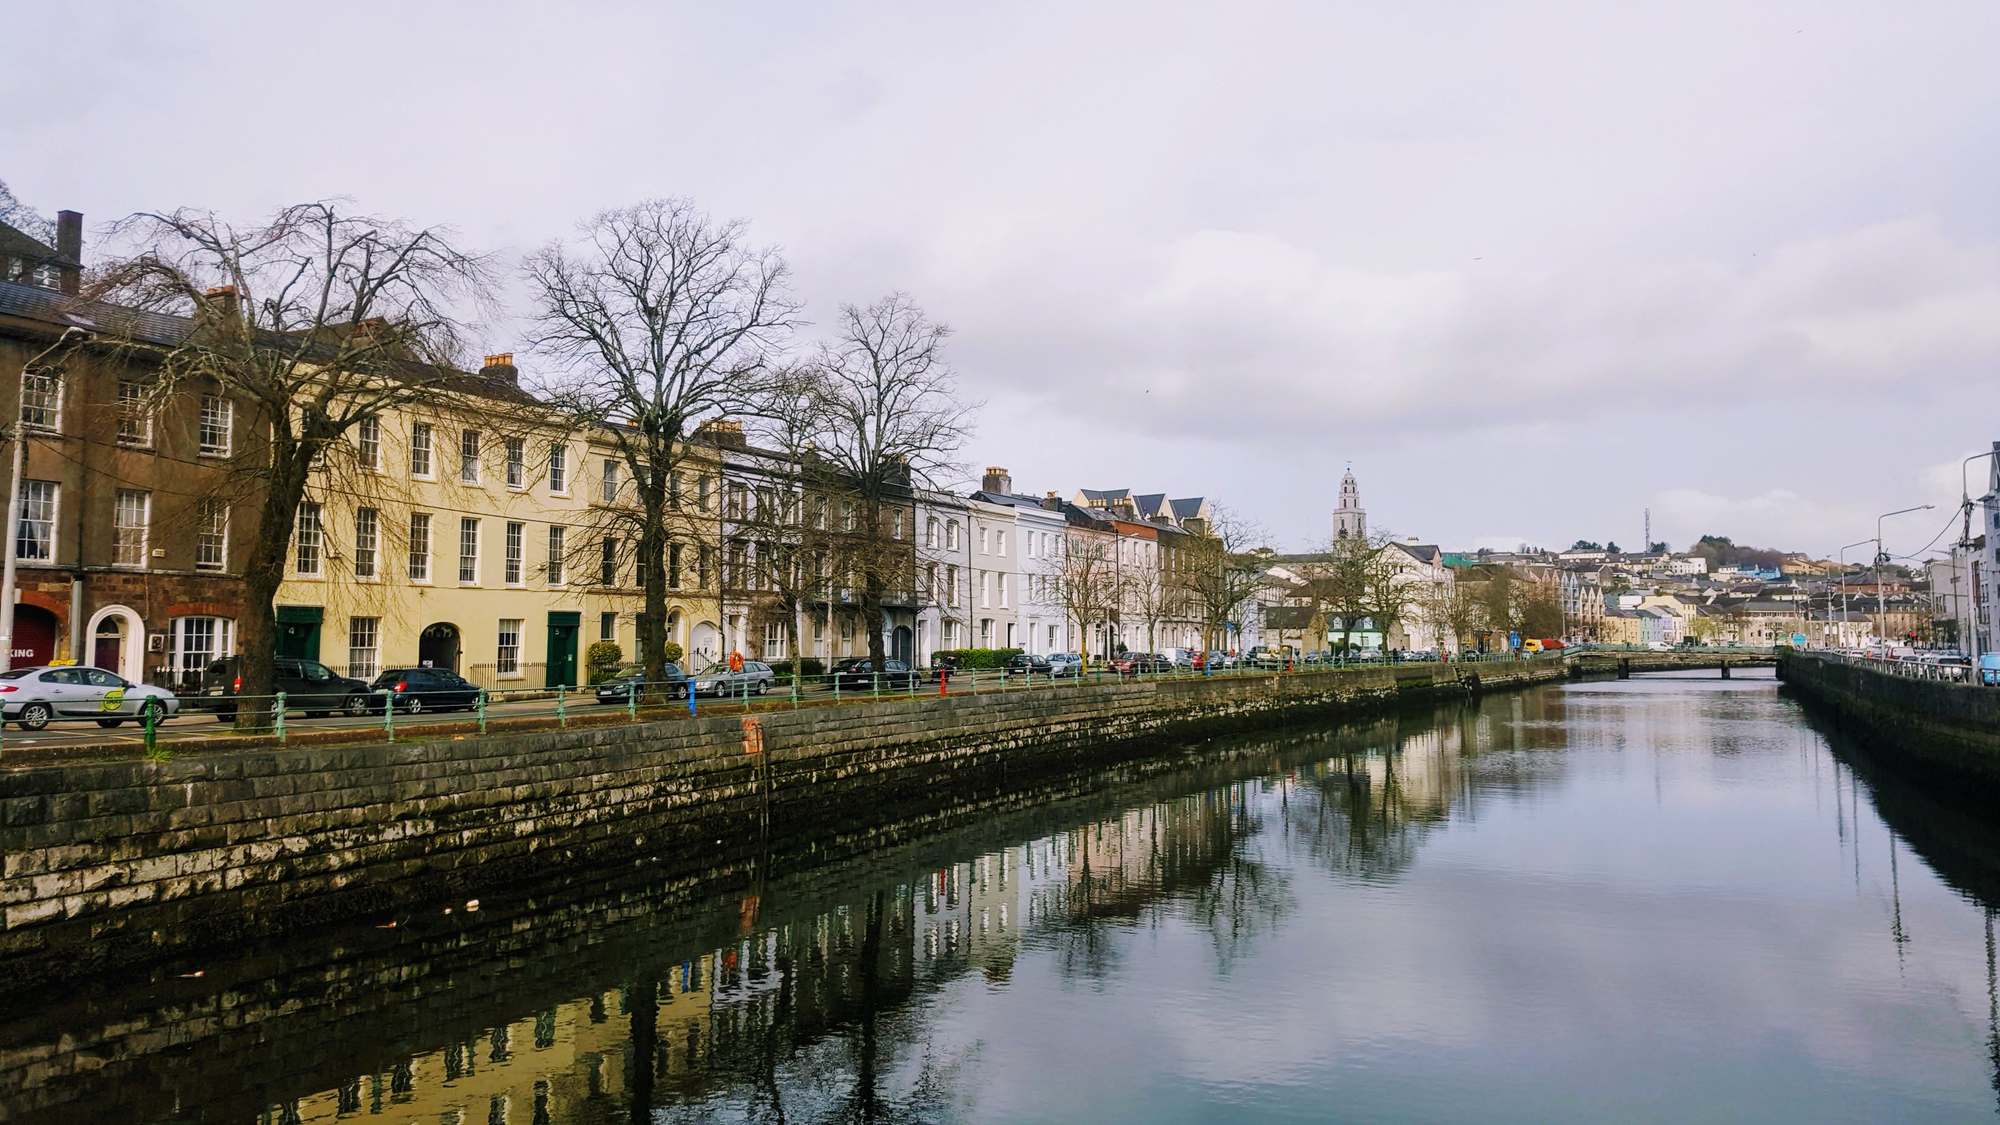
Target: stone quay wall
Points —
{"points": [[1928, 726], [121, 863]]}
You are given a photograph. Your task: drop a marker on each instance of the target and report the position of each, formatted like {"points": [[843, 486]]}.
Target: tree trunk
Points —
{"points": [[652, 567], [263, 572]]}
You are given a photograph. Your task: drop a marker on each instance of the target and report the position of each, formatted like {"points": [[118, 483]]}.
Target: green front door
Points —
{"points": [[561, 666], [298, 631]]}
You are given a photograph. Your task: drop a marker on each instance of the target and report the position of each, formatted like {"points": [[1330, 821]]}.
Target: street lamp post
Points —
{"points": [[1881, 600]]}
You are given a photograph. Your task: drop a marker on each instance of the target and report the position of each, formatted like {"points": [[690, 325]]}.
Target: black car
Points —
{"points": [[619, 688], [943, 664], [424, 689], [1029, 664], [307, 685], [855, 674]]}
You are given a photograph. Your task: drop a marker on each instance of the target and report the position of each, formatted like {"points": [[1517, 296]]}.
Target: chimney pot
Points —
{"points": [[996, 481], [502, 367], [69, 244]]}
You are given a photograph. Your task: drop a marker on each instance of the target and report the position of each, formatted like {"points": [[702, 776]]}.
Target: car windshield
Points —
{"points": [[15, 673]]}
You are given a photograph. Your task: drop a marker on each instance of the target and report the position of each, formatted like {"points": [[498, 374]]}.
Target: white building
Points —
{"points": [[1350, 520], [944, 563]]}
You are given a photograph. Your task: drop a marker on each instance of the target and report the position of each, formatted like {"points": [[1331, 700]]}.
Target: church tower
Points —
{"points": [[1350, 520]]}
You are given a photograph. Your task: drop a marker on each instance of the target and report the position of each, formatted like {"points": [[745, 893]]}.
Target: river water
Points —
{"points": [[1662, 899]]}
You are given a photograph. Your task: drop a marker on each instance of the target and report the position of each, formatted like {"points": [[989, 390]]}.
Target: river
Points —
{"points": [[1669, 898]]}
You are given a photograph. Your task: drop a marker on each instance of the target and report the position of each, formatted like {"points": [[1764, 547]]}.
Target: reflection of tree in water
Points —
{"points": [[1191, 860], [1364, 812]]}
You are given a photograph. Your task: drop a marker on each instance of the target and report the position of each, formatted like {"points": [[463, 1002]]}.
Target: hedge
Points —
{"points": [[976, 657]]}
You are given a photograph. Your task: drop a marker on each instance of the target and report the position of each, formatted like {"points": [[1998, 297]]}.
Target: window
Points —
{"points": [[1000, 581], [368, 434], [896, 527], [558, 469], [1052, 639], [367, 540], [985, 541], [217, 416], [1000, 543], [607, 567], [674, 490], [774, 641], [951, 536], [702, 562], [607, 626], [420, 449], [985, 589], [931, 532], [819, 629], [673, 566], [517, 463], [135, 414], [468, 550], [507, 660], [211, 535], [705, 492], [847, 630], [931, 580], [608, 489], [951, 585], [515, 550], [41, 401], [951, 634], [738, 501], [128, 528], [198, 640], [847, 515], [986, 632], [558, 553], [363, 643], [309, 548], [468, 456], [420, 546]]}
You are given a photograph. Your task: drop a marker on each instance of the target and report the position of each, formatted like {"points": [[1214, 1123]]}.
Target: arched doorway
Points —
{"points": [[704, 642], [899, 644], [438, 645], [118, 641], [34, 635]]}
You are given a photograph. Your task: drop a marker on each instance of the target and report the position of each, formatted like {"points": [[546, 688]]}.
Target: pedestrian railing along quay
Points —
{"points": [[1937, 671], [241, 721]]}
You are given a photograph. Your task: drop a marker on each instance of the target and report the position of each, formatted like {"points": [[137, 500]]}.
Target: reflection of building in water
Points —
{"points": [[708, 1025]]}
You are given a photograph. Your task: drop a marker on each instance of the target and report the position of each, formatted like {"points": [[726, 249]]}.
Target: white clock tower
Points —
{"points": [[1350, 520]]}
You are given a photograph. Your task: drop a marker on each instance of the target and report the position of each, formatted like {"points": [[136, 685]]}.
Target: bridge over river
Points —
{"points": [[1623, 660]]}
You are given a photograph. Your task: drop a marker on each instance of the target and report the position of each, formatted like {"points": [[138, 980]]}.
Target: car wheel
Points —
{"points": [[110, 722], [414, 706], [154, 710], [357, 705], [763, 686], [35, 716]]}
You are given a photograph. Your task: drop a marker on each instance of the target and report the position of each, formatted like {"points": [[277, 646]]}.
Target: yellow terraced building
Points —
{"points": [[473, 532]]}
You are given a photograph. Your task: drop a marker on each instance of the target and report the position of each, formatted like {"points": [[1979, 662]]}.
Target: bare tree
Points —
{"points": [[661, 318], [890, 422], [1154, 599], [317, 319], [1388, 592], [1455, 606], [1083, 578], [1222, 573]]}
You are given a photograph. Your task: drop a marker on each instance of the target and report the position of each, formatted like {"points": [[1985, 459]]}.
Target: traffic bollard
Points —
{"points": [[562, 712], [389, 714], [278, 715], [875, 689], [632, 700]]}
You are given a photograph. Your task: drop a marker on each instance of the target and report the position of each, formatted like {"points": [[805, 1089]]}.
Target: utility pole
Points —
{"points": [[1881, 601]]}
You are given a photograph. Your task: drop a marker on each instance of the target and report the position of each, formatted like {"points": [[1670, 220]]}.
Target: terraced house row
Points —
{"points": [[481, 530]]}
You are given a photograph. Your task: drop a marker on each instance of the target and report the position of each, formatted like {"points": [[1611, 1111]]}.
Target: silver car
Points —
{"points": [[35, 697], [1065, 664], [718, 680]]}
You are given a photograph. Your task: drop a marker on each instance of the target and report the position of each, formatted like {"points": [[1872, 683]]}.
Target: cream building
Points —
{"points": [[472, 533]]}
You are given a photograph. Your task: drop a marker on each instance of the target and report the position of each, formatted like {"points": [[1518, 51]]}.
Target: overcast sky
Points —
{"points": [[1531, 268]]}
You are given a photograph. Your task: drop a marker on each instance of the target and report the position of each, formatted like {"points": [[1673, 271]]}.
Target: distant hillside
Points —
{"points": [[1720, 551]]}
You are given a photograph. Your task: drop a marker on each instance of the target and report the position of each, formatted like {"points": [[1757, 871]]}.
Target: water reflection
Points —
{"points": [[1663, 879]]}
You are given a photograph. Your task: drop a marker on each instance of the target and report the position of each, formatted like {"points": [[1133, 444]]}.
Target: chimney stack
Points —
{"points": [[996, 481], [501, 367], [69, 244]]}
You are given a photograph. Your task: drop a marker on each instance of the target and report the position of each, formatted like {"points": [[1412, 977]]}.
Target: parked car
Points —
{"points": [[1029, 664], [1138, 663], [942, 664], [417, 690], [619, 688], [308, 686], [1221, 659], [1065, 664], [1989, 668], [1178, 658], [717, 680], [36, 697], [855, 674]]}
